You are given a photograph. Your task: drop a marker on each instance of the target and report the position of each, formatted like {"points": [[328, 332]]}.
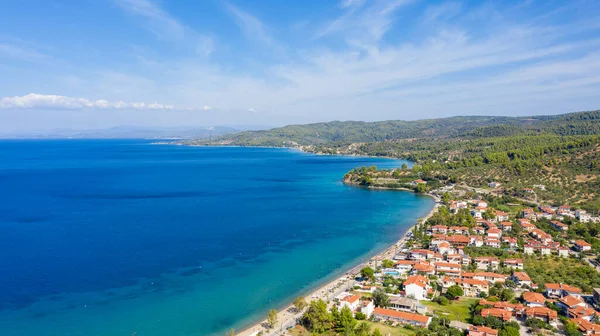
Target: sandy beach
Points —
{"points": [[288, 316]]}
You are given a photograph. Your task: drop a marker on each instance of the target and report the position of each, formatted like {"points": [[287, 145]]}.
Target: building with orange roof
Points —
{"points": [[559, 225], [516, 308], [439, 229], [423, 268], [533, 299], [490, 277], [442, 247], [454, 258], [582, 312], [350, 301], [487, 262], [459, 230], [586, 327], [506, 226], [482, 331], [558, 290], [582, 245], [522, 279], [570, 302], [502, 314], [513, 263], [563, 251], [458, 240], [416, 286], [401, 317], [527, 227], [473, 287], [448, 268], [543, 313], [500, 216], [404, 266], [494, 233]]}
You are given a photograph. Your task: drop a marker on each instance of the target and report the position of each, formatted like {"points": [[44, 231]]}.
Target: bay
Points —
{"points": [[116, 237]]}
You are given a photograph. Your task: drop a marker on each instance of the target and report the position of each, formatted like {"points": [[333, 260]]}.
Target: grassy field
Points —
{"points": [[456, 310], [383, 328]]}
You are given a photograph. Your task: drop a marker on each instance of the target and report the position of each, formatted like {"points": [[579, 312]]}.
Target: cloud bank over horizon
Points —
{"points": [[266, 62], [34, 101]]}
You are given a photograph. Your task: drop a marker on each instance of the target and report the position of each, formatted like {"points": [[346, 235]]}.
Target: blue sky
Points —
{"points": [[101, 63]]}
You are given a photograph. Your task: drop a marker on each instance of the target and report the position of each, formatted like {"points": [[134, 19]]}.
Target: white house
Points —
{"points": [[416, 287], [521, 278], [582, 245], [528, 249], [533, 299], [563, 252], [350, 301], [513, 263], [485, 262], [367, 308], [476, 214]]}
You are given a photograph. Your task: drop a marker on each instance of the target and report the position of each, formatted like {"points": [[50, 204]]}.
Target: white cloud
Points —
{"points": [[165, 26], [444, 10], [365, 23], [21, 52], [252, 27], [34, 100], [351, 3], [162, 24]]}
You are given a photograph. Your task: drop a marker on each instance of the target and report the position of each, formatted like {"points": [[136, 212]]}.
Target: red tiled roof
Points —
{"points": [[580, 311], [570, 301], [582, 243], [473, 282], [482, 331], [564, 287], [423, 267], [499, 313], [447, 264], [351, 298], [513, 261], [490, 275], [534, 297], [405, 262], [401, 315], [418, 280], [586, 326], [541, 311], [522, 276]]}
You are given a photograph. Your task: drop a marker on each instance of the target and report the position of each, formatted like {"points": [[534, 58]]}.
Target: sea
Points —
{"points": [[127, 237]]}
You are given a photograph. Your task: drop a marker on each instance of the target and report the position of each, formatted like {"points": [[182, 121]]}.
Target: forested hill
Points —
{"points": [[580, 123]]}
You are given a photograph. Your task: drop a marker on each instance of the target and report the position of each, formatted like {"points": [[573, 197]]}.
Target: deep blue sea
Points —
{"points": [[116, 237]]}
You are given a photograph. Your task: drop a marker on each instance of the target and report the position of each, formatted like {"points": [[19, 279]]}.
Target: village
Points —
{"points": [[467, 265]]}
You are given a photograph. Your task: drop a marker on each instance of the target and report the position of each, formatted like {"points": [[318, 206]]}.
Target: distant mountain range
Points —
{"points": [[460, 127], [126, 132]]}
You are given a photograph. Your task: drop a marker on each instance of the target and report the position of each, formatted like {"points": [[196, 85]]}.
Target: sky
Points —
{"points": [[88, 64]]}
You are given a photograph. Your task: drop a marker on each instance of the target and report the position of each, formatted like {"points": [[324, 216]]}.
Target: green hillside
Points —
{"points": [[346, 132]]}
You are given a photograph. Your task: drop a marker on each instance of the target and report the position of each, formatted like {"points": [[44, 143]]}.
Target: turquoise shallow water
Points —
{"points": [[111, 237]]}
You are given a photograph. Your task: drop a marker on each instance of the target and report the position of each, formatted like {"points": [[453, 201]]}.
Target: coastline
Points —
{"points": [[296, 148], [287, 316]]}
